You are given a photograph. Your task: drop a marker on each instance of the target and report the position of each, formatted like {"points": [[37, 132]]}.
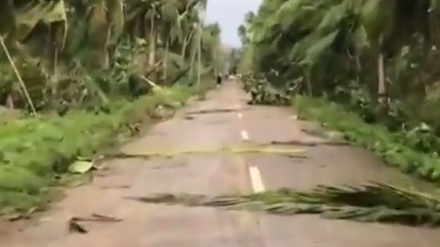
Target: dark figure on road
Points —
{"points": [[219, 79]]}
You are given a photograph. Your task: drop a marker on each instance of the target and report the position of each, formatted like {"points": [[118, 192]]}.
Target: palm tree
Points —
{"points": [[310, 30], [82, 35]]}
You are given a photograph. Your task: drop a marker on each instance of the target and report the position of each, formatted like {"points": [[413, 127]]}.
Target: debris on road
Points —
{"points": [[267, 149], [75, 225], [368, 203], [311, 143], [116, 187], [212, 111], [81, 166]]}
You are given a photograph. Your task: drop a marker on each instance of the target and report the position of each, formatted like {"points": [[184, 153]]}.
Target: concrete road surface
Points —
{"points": [[232, 122]]}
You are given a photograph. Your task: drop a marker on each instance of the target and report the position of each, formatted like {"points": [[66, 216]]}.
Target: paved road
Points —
{"points": [[176, 226]]}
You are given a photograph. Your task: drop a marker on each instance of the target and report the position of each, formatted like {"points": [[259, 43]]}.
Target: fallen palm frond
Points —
{"points": [[213, 111], [290, 152], [75, 223], [310, 143], [151, 83], [368, 203]]}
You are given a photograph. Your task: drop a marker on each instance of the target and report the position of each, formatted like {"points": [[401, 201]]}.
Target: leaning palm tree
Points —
{"points": [[81, 36], [303, 31]]}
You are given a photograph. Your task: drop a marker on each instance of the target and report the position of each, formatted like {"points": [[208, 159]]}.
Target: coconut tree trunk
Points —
{"points": [[10, 100], [165, 59], [100, 29], [382, 107], [104, 54], [381, 88], [183, 52], [152, 43], [381, 79], [193, 59], [186, 41], [307, 78], [53, 47]]}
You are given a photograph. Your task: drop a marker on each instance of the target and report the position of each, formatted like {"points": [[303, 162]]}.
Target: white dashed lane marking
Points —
{"points": [[244, 135], [254, 172], [256, 181]]}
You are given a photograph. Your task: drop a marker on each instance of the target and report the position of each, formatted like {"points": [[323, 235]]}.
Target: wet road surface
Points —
{"points": [[230, 123]]}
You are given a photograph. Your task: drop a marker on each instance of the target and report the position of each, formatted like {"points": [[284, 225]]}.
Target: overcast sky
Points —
{"points": [[230, 15]]}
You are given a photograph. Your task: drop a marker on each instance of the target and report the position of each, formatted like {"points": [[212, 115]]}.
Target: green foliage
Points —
{"points": [[92, 69], [374, 59], [405, 150], [35, 152], [326, 45], [262, 92], [73, 53]]}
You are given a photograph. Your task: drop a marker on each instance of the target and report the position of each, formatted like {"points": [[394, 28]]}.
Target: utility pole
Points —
{"points": [[202, 13]]}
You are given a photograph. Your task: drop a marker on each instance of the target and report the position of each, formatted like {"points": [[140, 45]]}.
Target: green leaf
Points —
{"points": [[80, 166]]}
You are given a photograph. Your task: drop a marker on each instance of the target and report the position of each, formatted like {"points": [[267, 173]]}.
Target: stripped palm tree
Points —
{"points": [[86, 35], [308, 31]]}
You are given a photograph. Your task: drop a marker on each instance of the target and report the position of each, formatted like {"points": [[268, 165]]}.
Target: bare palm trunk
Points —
{"points": [[183, 52], [104, 53], [308, 82], [10, 101], [18, 75], [165, 60], [152, 45], [193, 60], [381, 89], [186, 41], [382, 99], [52, 48]]}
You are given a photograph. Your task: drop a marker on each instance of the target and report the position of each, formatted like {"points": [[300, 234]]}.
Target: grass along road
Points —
{"points": [[215, 174]]}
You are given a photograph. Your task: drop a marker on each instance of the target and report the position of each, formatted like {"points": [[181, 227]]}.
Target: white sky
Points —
{"points": [[230, 15]]}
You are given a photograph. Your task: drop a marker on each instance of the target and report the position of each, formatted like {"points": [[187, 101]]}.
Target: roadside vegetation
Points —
{"points": [[75, 75], [365, 68]]}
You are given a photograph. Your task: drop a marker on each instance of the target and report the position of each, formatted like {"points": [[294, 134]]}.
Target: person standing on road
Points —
{"points": [[219, 79]]}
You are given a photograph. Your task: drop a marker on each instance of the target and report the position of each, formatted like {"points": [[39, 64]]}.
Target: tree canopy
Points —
{"points": [[386, 49], [62, 42]]}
